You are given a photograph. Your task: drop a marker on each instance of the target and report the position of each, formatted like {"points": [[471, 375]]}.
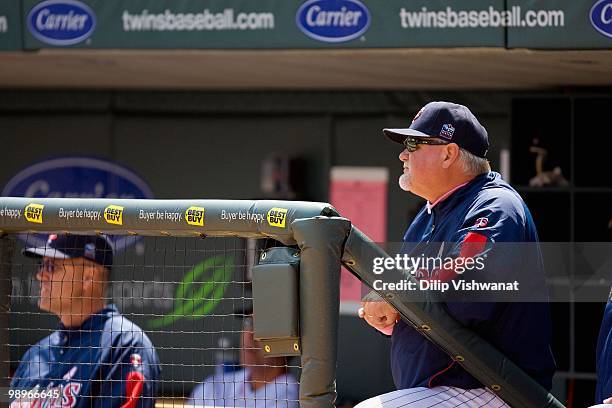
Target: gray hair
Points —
{"points": [[472, 164]]}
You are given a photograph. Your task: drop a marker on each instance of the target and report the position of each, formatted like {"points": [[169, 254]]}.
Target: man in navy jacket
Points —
{"points": [[96, 358], [469, 207]]}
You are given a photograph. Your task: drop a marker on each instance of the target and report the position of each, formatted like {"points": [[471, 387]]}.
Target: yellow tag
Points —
{"points": [[195, 216], [277, 217], [113, 214], [34, 213]]}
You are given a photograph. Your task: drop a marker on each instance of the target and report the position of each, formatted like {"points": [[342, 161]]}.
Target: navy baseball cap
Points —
{"points": [[96, 248], [447, 121]]}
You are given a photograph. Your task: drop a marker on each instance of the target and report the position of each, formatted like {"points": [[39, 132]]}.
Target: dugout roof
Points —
{"points": [[382, 69]]}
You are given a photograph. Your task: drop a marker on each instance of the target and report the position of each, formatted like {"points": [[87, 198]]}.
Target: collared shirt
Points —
{"points": [[105, 362], [430, 206], [235, 390]]}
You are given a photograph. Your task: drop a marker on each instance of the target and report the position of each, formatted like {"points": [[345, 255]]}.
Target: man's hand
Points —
{"points": [[608, 401], [380, 315]]}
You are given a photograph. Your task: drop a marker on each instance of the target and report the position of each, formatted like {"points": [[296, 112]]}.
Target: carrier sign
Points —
{"points": [[601, 17], [61, 22], [333, 21]]}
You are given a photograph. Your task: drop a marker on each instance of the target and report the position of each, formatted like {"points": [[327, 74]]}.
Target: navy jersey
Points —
{"points": [[485, 210], [604, 356], [106, 362]]}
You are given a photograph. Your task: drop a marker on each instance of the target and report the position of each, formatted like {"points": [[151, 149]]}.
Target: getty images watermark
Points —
{"points": [[435, 273], [492, 271]]}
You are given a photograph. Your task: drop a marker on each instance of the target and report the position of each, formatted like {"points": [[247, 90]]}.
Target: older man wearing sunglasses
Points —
{"points": [[468, 208], [96, 358]]}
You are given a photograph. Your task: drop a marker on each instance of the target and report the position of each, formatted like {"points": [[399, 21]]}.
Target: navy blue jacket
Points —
{"points": [[604, 357], [489, 209], [106, 362]]}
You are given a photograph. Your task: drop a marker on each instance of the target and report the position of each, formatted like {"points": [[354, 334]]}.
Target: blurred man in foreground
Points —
{"points": [[96, 358]]}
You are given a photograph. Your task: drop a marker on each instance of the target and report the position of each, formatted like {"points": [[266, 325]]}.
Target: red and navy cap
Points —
{"points": [[447, 121], [96, 248]]}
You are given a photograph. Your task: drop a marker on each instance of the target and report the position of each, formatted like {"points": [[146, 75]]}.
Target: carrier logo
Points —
{"points": [[34, 213], [195, 216], [333, 21], [113, 214], [277, 217], [447, 131], [61, 22], [601, 17]]}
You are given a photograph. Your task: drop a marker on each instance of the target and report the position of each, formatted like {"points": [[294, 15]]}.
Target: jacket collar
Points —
{"points": [[451, 198]]}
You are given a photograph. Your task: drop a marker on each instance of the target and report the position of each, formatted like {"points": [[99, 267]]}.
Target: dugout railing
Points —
{"points": [[325, 241]]}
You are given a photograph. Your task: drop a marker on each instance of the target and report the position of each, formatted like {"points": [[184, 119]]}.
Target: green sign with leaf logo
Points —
{"points": [[201, 289]]}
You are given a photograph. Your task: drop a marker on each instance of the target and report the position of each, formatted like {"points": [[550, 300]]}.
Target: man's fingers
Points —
{"points": [[608, 401]]}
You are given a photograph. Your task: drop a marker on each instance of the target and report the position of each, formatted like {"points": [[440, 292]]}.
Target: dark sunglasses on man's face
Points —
{"points": [[411, 143]]}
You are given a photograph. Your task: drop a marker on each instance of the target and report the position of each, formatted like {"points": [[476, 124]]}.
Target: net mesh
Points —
{"points": [[175, 327]]}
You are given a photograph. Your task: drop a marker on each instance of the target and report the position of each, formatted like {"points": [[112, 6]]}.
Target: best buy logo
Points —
{"points": [[113, 214], [34, 213], [277, 217], [195, 216]]}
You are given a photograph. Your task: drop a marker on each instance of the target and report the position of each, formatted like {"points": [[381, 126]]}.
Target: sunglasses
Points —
{"points": [[411, 143]]}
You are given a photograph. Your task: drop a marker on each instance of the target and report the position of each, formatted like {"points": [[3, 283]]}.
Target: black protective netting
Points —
{"points": [[170, 323]]}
